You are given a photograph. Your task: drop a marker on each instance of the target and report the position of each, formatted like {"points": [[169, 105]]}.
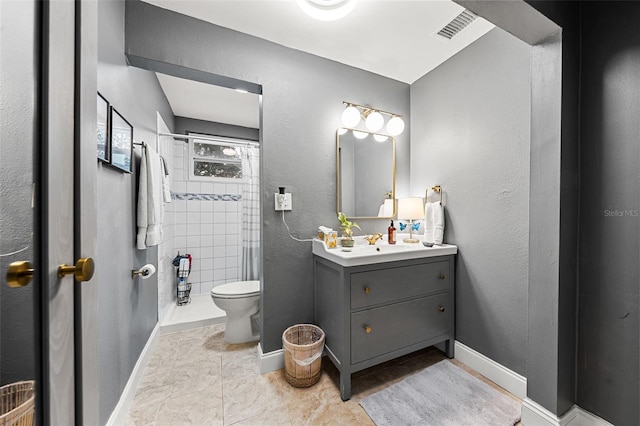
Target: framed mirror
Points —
{"points": [[366, 174]]}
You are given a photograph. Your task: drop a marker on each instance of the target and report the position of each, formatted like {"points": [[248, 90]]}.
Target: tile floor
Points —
{"points": [[194, 378]]}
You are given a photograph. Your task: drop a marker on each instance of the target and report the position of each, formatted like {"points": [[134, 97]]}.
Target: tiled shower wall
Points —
{"points": [[207, 224]]}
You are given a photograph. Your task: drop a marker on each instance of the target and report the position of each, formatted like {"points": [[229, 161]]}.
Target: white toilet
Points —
{"points": [[240, 300]]}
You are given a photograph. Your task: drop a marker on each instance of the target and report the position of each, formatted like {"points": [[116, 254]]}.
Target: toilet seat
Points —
{"points": [[237, 290]]}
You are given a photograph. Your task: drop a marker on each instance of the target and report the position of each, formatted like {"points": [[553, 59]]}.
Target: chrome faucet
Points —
{"points": [[373, 238]]}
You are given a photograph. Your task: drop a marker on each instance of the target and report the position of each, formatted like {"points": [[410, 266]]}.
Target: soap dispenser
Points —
{"points": [[391, 232]]}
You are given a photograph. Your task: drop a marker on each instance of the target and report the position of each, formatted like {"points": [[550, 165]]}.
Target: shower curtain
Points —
{"points": [[251, 213]]}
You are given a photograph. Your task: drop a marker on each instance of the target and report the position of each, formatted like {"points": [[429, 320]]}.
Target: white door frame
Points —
{"points": [[85, 212]]}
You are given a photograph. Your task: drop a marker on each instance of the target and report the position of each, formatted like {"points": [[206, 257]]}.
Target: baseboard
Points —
{"points": [[497, 373], [533, 414], [181, 326], [502, 376], [586, 418], [121, 410], [270, 361]]}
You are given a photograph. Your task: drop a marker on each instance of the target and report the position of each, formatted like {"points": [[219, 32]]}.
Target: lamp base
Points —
{"points": [[411, 240]]}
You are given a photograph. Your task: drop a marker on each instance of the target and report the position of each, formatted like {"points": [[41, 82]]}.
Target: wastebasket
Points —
{"points": [[17, 404], [303, 345]]}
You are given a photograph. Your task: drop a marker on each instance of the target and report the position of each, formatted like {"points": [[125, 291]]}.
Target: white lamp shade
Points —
{"points": [[395, 126], [380, 138], [351, 116], [410, 208], [360, 135], [374, 121]]}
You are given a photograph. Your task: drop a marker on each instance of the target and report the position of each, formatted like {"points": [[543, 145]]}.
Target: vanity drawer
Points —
{"points": [[381, 330], [387, 285]]}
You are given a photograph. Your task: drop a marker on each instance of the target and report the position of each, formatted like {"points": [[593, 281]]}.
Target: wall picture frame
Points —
{"points": [[102, 114], [121, 141]]}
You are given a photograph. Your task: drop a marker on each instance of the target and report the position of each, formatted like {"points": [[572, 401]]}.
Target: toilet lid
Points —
{"points": [[238, 289]]}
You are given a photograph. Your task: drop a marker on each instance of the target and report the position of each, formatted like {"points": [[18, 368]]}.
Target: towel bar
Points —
{"points": [[436, 188]]}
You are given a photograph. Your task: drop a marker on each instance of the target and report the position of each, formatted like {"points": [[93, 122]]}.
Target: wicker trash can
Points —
{"points": [[17, 404], [303, 345]]}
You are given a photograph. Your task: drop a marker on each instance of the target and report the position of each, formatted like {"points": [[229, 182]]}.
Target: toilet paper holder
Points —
{"points": [[145, 272]]}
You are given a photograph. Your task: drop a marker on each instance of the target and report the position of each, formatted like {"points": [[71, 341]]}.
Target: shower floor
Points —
{"points": [[199, 313]]}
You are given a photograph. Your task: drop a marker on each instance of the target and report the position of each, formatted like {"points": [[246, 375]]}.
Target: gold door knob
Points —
{"points": [[83, 270], [367, 329], [441, 276], [441, 308], [19, 274], [367, 290]]}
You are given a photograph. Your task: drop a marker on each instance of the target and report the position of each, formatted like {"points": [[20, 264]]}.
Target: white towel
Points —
{"points": [[386, 208], [434, 222], [166, 189], [150, 207]]}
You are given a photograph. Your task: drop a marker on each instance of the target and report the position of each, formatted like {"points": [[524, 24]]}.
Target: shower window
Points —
{"points": [[211, 160]]}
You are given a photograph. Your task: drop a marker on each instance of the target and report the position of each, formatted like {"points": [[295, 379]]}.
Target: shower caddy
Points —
{"points": [[183, 288]]}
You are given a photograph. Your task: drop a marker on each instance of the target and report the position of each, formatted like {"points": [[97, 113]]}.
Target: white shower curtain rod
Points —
{"points": [[219, 139]]}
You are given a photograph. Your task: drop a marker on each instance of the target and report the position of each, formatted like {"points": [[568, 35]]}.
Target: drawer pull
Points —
{"points": [[367, 290], [441, 276], [441, 308], [367, 329]]}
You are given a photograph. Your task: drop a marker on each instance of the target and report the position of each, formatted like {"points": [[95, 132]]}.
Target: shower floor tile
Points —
{"points": [[199, 313]]}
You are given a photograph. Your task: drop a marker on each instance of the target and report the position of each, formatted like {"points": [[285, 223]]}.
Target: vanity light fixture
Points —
{"points": [[373, 119], [327, 10], [380, 138]]}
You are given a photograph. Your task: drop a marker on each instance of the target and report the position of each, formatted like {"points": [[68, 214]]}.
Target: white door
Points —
{"points": [[69, 203], [48, 146]]}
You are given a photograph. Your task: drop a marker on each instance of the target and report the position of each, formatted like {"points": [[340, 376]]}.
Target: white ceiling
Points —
{"points": [[203, 101], [393, 38]]}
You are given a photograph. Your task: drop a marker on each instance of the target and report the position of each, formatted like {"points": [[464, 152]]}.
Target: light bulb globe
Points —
{"points": [[380, 138], [395, 126], [374, 121], [351, 116], [360, 135]]}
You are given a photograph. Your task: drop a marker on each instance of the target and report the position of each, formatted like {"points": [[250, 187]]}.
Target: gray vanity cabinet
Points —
{"points": [[374, 313]]}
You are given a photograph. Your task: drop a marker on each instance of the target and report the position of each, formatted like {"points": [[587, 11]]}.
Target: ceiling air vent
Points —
{"points": [[458, 24]]}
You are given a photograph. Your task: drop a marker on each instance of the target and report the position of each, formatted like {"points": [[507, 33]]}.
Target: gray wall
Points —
{"points": [[302, 105], [185, 125], [553, 218], [18, 74], [471, 134], [127, 308], [608, 330]]}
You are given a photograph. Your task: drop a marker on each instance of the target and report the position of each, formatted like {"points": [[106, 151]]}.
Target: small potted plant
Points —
{"points": [[347, 232]]}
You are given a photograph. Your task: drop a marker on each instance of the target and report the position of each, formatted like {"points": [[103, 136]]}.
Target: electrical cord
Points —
{"points": [[289, 232]]}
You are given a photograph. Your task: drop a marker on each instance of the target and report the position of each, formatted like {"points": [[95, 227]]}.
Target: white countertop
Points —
{"points": [[364, 254]]}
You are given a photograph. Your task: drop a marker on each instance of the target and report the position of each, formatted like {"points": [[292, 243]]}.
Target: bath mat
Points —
{"points": [[441, 395]]}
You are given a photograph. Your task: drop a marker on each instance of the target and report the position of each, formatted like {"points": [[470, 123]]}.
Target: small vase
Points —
{"points": [[347, 242]]}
